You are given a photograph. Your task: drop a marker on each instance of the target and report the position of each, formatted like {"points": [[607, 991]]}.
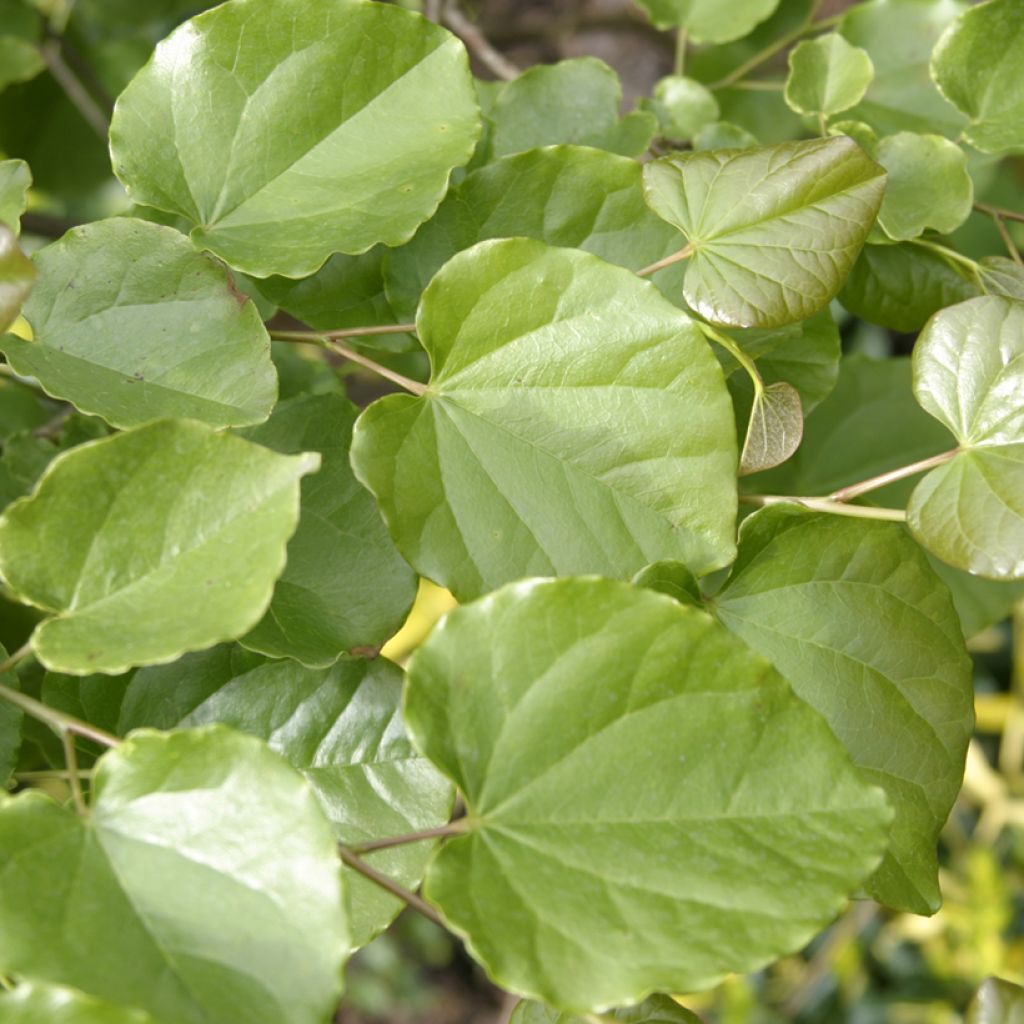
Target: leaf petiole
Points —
{"points": [[875, 482], [893, 515], [454, 828], [389, 884], [677, 257]]}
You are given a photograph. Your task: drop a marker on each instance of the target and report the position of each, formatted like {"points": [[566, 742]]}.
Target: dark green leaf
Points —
{"points": [[10, 730], [22, 408], [672, 578], [20, 60], [694, 820]]}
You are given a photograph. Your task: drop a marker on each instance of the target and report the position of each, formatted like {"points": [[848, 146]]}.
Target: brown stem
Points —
{"points": [[998, 211], [492, 59], [454, 828], [75, 91], [389, 884], [875, 482], [677, 257]]}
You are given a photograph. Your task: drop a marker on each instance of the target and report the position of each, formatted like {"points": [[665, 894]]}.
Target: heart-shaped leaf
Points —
{"points": [[367, 153], [622, 760], [773, 231], [827, 75], [775, 428], [575, 421], [150, 543], [132, 324]]}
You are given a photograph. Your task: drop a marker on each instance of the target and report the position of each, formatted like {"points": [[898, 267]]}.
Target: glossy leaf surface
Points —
{"points": [[646, 842], [225, 898], [575, 421], [366, 161], [827, 75], [132, 324], [896, 688], [160, 540], [774, 230]]}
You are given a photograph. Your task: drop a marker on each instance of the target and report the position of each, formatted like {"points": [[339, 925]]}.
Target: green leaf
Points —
{"points": [[20, 60], [15, 181], [22, 408], [367, 153], [997, 1002], [684, 107], [774, 231], [575, 421], [928, 185], [21, 465], [697, 819], [723, 135], [571, 196], [899, 36], [187, 892], [774, 430], [17, 276], [710, 21], [896, 689], [150, 543], [11, 719], [901, 286], [672, 578], [969, 375], [32, 1003], [132, 324], [827, 75], [976, 65], [340, 727], [344, 587], [1002, 276], [574, 101], [656, 1010]]}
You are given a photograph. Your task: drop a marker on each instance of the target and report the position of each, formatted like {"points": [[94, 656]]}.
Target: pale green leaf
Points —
{"points": [[150, 543], [774, 231], [997, 1002], [723, 135], [379, 108], [658, 1009], [686, 818], [976, 65], [17, 276], [684, 107], [901, 286], [969, 375], [928, 185], [853, 616], [132, 324], [345, 587], [1002, 276], [575, 101], [575, 421], [20, 60], [572, 196], [774, 430], [340, 727], [899, 36], [187, 892], [15, 181], [33, 1003], [710, 21], [827, 75]]}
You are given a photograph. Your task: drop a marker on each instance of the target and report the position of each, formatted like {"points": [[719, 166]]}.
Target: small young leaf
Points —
{"points": [[20, 60], [774, 231], [17, 276], [976, 64], [997, 1002], [576, 101], [710, 21], [687, 818], [132, 324], [656, 1010], [150, 543], [575, 421], [340, 727], [188, 892], [367, 151], [896, 689], [684, 107], [827, 75], [969, 375], [15, 180], [928, 185], [775, 428], [344, 586], [33, 1003]]}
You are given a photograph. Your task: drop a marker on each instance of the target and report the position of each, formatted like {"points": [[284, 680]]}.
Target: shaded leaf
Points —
{"points": [[775, 428], [15, 181], [1002, 276], [656, 1010], [827, 75], [132, 324], [744, 214], [680, 763], [17, 276], [672, 578], [575, 421], [896, 689], [20, 60], [22, 408], [367, 161], [11, 719], [150, 543], [209, 899]]}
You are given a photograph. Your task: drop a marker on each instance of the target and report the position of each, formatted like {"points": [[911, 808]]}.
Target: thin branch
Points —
{"points": [[74, 779], [679, 64], [329, 341], [432, 10], [677, 257], [492, 59], [16, 658], [58, 721], [893, 515], [455, 828], [51, 773], [875, 482], [1004, 234], [736, 352], [999, 211], [389, 884], [75, 91]]}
